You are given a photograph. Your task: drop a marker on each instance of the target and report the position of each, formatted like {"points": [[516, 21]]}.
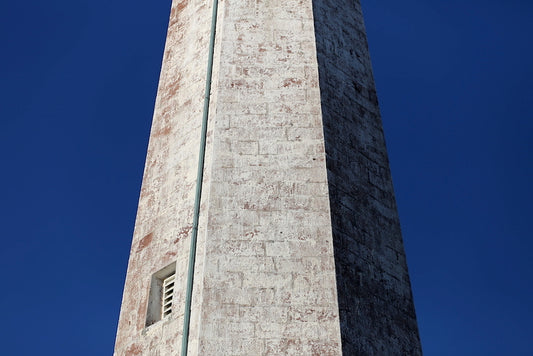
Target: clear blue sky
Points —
{"points": [[78, 84]]}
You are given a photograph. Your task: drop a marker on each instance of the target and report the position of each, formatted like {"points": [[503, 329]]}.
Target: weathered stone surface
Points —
{"points": [[268, 214], [164, 216], [375, 301], [299, 245]]}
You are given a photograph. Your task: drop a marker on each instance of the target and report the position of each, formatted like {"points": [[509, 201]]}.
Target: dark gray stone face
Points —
{"points": [[374, 293]]}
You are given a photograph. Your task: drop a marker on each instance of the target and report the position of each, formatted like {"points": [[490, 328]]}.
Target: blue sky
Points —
{"points": [[78, 85]]}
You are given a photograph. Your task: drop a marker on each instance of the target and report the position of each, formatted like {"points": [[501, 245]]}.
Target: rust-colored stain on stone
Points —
{"points": [[172, 88], [141, 313], [134, 350], [145, 241], [173, 17], [292, 82], [170, 254], [184, 232], [251, 234], [164, 131], [181, 5]]}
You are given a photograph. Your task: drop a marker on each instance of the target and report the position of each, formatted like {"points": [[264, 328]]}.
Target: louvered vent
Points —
{"points": [[168, 293], [161, 294]]}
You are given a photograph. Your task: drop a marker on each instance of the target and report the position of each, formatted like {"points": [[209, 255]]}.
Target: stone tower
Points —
{"points": [[291, 213]]}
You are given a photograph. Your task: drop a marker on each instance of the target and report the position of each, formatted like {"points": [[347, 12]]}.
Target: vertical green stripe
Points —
{"points": [[199, 180]]}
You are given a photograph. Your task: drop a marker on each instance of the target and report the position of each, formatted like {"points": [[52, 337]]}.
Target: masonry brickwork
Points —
{"points": [[376, 305], [299, 245]]}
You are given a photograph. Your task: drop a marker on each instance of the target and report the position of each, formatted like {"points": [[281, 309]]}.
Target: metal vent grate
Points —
{"points": [[168, 293]]}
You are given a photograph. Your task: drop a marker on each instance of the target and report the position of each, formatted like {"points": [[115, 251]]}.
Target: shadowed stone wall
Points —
{"points": [[376, 306]]}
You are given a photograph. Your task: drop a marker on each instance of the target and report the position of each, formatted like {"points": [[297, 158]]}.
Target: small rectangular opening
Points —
{"points": [[161, 294]]}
